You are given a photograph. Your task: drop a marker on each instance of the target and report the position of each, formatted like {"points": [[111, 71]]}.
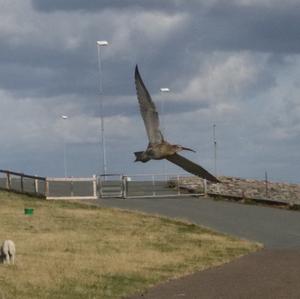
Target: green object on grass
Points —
{"points": [[28, 211]]}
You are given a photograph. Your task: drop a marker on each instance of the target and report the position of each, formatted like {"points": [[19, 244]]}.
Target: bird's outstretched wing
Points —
{"points": [[192, 167], [148, 110]]}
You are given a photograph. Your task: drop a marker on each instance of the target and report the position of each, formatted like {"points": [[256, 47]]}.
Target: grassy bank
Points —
{"points": [[69, 250]]}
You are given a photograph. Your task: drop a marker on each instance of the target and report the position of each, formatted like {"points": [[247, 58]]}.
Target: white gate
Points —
{"points": [[71, 188], [158, 185], [118, 185], [111, 185]]}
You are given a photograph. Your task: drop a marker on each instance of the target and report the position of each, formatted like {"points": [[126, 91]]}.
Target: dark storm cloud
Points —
{"points": [[40, 71], [258, 28], [41, 82], [132, 108], [67, 5], [221, 27], [218, 25], [230, 27]]}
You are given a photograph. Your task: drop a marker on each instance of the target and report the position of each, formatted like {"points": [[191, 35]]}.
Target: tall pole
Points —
{"points": [[163, 90], [103, 143], [65, 117], [215, 149], [266, 181]]}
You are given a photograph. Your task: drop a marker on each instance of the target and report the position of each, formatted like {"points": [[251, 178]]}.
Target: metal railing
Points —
{"points": [[71, 188], [22, 183], [154, 185], [47, 187], [103, 186], [111, 185]]}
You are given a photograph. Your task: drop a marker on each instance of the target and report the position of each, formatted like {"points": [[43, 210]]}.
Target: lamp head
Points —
{"points": [[102, 43]]}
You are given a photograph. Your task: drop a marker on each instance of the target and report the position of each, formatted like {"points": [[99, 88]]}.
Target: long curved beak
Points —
{"points": [[188, 149]]}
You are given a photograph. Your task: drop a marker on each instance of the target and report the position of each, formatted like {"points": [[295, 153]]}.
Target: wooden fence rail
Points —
{"points": [[20, 178], [91, 193], [46, 187]]}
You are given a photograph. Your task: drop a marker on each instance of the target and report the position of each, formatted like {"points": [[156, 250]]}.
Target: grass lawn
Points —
{"points": [[70, 250]]}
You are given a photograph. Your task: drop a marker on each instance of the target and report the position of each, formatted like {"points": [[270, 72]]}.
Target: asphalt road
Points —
{"points": [[270, 273], [275, 228], [266, 274]]}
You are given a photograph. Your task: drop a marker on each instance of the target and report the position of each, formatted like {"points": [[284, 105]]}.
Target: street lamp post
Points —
{"points": [[163, 90], [65, 117], [215, 149], [102, 43]]}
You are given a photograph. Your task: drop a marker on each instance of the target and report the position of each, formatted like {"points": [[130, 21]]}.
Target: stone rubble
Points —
{"points": [[245, 188]]}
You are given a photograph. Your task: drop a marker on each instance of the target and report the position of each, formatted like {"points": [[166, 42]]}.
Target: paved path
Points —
{"points": [[267, 274], [275, 228], [271, 273]]}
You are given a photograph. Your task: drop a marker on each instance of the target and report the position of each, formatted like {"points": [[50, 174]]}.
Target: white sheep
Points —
{"points": [[8, 252]]}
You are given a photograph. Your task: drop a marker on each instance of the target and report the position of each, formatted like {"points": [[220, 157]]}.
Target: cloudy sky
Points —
{"points": [[232, 63]]}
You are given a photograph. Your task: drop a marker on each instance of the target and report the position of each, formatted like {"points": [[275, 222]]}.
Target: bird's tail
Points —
{"points": [[140, 157]]}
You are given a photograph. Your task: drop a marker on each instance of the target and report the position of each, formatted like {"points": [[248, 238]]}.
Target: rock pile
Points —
{"points": [[245, 188]]}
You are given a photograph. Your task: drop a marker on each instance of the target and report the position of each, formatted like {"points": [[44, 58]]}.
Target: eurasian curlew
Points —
{"points": [[158, 148]]}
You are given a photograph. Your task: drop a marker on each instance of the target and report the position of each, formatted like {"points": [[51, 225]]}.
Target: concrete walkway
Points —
{"points": [[275, 228], [267, 274], [271, 273]]}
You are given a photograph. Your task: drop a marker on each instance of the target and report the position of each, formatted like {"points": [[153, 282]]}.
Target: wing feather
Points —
{"points": [[148, 110], [192, 167]]}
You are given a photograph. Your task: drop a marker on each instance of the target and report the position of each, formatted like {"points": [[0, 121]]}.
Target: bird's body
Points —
{"points": [[158, 148], [159, 151]]}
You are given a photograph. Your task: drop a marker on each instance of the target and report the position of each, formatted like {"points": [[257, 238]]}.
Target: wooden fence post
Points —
{"points": [[178, 187], [22, 183], [205, 186], [8, 182], [100, 186], [36, 186], [124, 186], [94, 186], [72, 188], [46, 188], [153, 186]]}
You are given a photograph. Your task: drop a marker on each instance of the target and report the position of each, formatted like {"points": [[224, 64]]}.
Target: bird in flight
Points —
{"points": [[158, 148]]}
